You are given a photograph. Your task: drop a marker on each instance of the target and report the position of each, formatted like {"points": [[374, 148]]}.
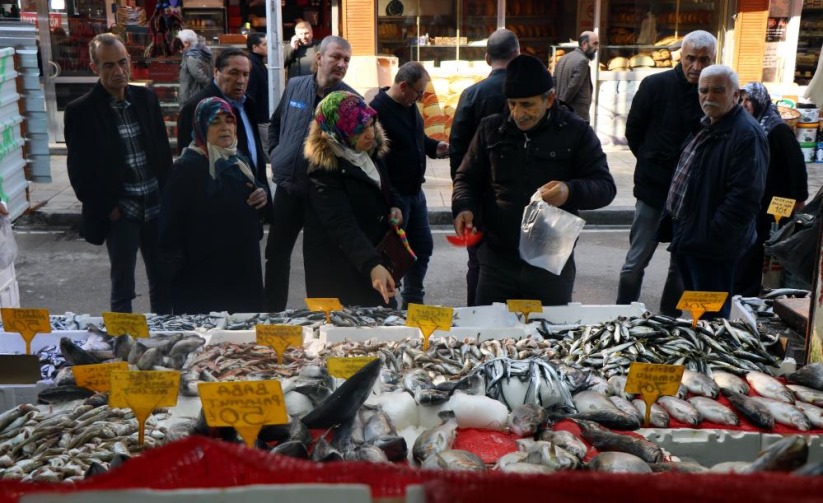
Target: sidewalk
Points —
{"points": [[55, 204]]}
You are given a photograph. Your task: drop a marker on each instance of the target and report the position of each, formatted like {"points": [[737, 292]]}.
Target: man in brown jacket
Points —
{"points": [[573, 76]]}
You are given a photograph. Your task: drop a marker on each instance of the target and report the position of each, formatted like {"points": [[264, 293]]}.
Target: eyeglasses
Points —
{"points": [[418, 92]]}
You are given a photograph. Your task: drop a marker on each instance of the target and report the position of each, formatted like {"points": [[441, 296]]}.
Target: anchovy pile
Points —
{"points": [[610, 348], [348, 317], [67, 445]]}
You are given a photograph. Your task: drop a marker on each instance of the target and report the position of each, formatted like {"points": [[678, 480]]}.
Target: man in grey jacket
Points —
{"points": [[288, 128], [573, 76]]}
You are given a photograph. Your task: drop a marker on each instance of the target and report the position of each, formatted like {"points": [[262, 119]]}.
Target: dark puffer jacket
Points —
{"points": [[505, 166]]}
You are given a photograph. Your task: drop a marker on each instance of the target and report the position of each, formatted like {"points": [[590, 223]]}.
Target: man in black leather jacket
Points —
{"points": [[537, 146]]}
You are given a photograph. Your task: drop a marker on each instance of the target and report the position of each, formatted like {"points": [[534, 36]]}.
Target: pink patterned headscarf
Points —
{"points": [[343, 116]]}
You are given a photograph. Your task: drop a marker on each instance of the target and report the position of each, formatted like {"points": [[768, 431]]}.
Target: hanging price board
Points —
{"points": [[143, 391], [652, 381], [326, 305], [525, 307], [26, 322], [245, 406], [126, 323], [428, 319], [698, 303], [279, 337]]}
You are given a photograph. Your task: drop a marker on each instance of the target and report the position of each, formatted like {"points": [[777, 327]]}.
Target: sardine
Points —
{"points": [[699, 384], [785, 413], [527, 419], [714, 411], [785, 455], [618, 462], [755, 413], [457, 460], [658, 418], [437, 439], [810, 375], [768, 386], [681, 410]]}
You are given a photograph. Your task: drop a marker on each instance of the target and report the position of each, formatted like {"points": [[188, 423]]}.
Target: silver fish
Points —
{"points": [[714, 411], [768, 386], [457, 460], [806, 394], [785, 413], [565, 440], [378, 425], [813, 413], [617, 387], [627, 407], [526, 468], [658, 418], [681, 410], [618, 462], [437, 439], [699, 384], [730, 381], [754, 412], [549, 454], [784, 455]]}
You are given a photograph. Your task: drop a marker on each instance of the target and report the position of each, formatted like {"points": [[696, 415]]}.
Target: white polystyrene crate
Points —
{"points": [[482, 333], [9, 288], [331, 333], [10, 130], [12, 156], [35, 101], [40, 168], [30, 81], [12, 395], [495, 315], [217, 336], [577, 313], [707, 446], [6, 52], [9, 109], [739, 312], [38, 143], [13, 344], [8, 84], [283, 493], [28, 58], [37, 122]]}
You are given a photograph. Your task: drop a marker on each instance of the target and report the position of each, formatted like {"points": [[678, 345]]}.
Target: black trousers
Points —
{"points": [[505, 276], [289, 214]]}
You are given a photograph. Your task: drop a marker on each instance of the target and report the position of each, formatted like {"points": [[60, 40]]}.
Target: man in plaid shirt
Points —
{"points": [[118, 159]]}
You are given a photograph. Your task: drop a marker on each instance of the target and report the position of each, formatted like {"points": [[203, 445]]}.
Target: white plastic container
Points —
{"points": [[28, 58], [808, 115], [9, 289], [37, 122], [807, 133], [30, 81], [8, 84], [12, 395], [35, 101], [38, 143], [809, 151]]}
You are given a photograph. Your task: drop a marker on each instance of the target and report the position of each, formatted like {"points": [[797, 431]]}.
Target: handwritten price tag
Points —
{"points": [[98, 376], [327, 305], [26, 322], [698, 303], [525, 307], [781, 207], [347, 367], [653, 381], [126, 323], [279, 337], [428, 319], [143, 391], [245, 406]]}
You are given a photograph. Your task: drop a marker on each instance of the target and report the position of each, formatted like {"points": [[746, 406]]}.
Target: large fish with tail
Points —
{"points": [[346, 400]]}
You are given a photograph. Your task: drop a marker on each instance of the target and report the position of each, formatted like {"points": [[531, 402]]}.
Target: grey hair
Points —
{"points": [[700, 39], [334, 39], [722, 70], [502, 45], [187, 36], [107, 39]]}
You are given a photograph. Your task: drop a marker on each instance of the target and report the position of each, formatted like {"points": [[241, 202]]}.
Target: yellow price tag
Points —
{"points": [[428, 319], [698, 303], [525, 307], [26, 322], [98, 376], [143, 391], [279, 337], [781, 207], [244, 405], [652, 381], [327, 305], [344, 368], [126, 323]]}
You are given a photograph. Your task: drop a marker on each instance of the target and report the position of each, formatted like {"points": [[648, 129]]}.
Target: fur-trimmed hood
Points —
{"points": [[319, 154]]}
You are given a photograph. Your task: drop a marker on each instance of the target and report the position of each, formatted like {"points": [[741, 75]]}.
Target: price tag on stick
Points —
{"points": [[344, 368], [698, 303], [143, 391], [98, 376], [327, 305], [781, 207], [244, 405], [279, 337], [525, 307], [428, 319], [653, 381], [26, 322], [126, 323]]}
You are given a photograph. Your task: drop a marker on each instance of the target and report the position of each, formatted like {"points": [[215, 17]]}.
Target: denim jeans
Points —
{"points": [[708, 276], [416, 225], [125, 237], [288, 215], [642, 245]]}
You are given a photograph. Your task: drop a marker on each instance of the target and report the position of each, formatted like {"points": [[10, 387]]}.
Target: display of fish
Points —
{"points": [[437, 439], [785, 413], [754, 412], [681, 410], [607, 441], [618, 462], [658, 418], [768, 386], [810, 375], [806, 394], [714, 411], [730, 381]]}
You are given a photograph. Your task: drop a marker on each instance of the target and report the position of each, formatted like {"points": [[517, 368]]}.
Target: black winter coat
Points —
{"points": [[210, 237], [96, 159], [346, 218], [724, 191], [476, 102], [786, 176], [505, 166], [258, 88], [403, 127], [664, 111]]}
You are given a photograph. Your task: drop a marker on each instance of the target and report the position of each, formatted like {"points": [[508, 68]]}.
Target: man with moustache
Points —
{"points": [[118, 161], [288, 128], [664, 111], [536, 146], [574, 76], [712, 205]]}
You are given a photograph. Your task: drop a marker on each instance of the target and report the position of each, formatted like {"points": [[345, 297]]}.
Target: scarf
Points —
{"points": [[764, 110]]}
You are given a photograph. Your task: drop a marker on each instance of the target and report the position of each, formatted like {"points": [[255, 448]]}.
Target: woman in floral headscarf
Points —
{"points": [[210, 226], [350, 204], [786, 177]]}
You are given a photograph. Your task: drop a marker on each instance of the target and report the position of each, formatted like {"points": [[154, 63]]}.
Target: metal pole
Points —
{"points": [[274, 37]]}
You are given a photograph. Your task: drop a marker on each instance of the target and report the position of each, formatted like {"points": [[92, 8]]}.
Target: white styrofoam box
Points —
{"points": [[35, 101], [40, 168], [10, 130], [331, 333], [14, 178], [283, 493], [37, 122], [217, 336], [577, 313], [28, 58], [12, 343], [739, 312], [38, 143], [11, 155], [815, 443], [12, 395], [495, 315], [31, 81], [9, 289], [6, 52], [8, 84], [708, 447], [9, 109], [17, 202]]}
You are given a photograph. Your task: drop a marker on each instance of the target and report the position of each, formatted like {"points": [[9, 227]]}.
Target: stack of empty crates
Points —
{"points": [[11, 160], [33, 107]]}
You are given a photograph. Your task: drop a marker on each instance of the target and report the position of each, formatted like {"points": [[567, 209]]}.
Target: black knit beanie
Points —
{"points": [[526, 76]]}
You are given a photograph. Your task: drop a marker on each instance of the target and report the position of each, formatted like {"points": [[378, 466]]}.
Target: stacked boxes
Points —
{"points": [[34, 108]]}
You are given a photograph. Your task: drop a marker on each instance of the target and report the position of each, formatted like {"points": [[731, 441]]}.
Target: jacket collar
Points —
{"points": [[320, 155], [99, 92], [681, 77], [726, 123]]}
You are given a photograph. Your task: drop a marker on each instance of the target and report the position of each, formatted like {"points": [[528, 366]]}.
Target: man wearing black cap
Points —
{"points": [[536, 146]]}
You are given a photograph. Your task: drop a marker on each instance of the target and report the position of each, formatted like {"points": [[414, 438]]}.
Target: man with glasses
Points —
{"points": [[406, 162]]}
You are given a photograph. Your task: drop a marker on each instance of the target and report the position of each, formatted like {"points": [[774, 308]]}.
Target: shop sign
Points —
{"points": [[55, 19]]}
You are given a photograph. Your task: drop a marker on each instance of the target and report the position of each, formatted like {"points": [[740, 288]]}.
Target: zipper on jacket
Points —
{"points": [[526, 143]]}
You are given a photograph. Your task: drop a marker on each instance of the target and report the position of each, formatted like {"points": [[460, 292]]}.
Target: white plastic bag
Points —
{"points": [[8, 245], [548, 234]]}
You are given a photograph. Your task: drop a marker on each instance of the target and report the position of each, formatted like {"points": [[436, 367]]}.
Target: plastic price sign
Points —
{"points": [[244, 405], [347, 367], [428, 319], [781, 207], [524, 307], [26, 322], [698, 303], [279, 337], [126, 323], [142, 391], [97, 376], [653, 381], [327, 305]]}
